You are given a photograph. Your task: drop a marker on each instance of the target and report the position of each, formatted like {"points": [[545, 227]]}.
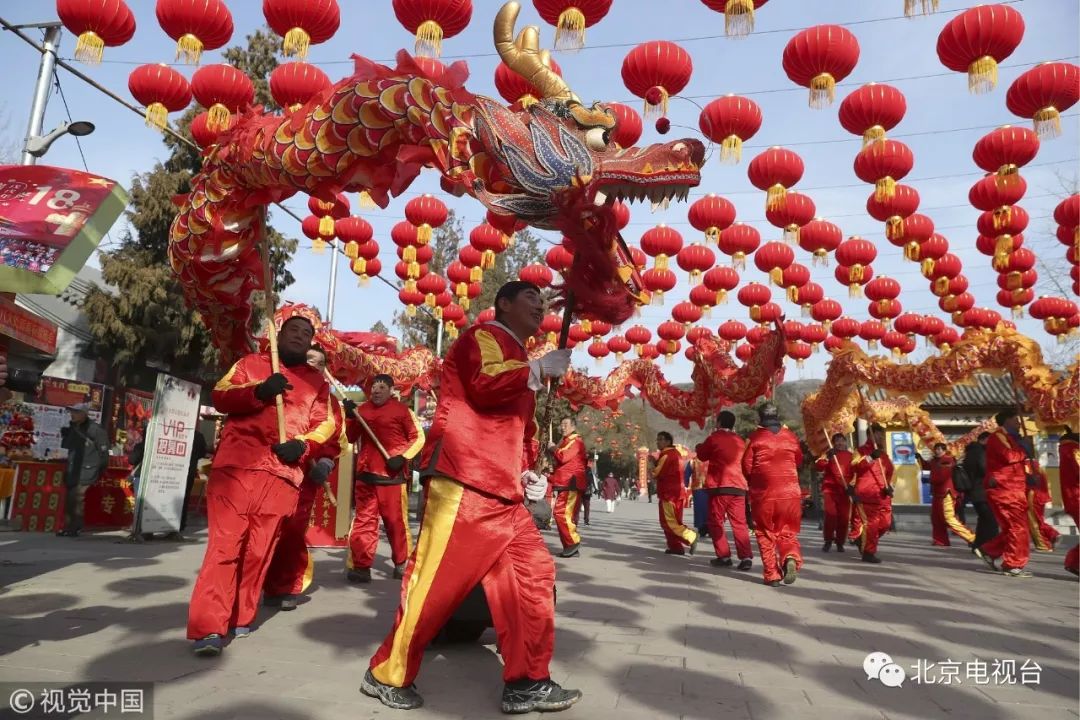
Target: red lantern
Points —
{"points": [[703, 297], [161, 90], [738, 241], [222, 90], [432, 21], [570, 18], [721, 280], [909, 324], [655, 71], [515, 89], [1005, 150], [538, 275], [767, 313], [195, 25], [1043, 93], [807, 295], [489, 241], [882, 164], [426, 213], [773, 258], [302, 23], [956, 286], [976, 40], [670, 330], [732, 331], [619, 345], [931, 325], [738, 15], [855, 252], [872, 110], [744, 351], [774, 171], [411, 299], [695, 259], [638, 335], [1019, 261], [917, 229], [354, 232], [989, 195], [818, 58], [366, 268], [627, 129], [432, 285], [661, 242], [711, 215], [658, 281], [598, 350], [622, 216], [885, 310], [944, 339], [730, 121], [895, 342], [892, 210], [827, 311], [793, 330], [946, 267], [328, 212], [202, 134], [559, 258], [814, 334], [820, 237], [846, 328], [1015, 300], [793, 277], [994, 223], [754, 296], [97, 23], [882, 293], [687, 313], [854, 277], [871, 331], [293, 84], [667, 348], [794, 211], [799, 352], [1067, 214], [928, 251]]}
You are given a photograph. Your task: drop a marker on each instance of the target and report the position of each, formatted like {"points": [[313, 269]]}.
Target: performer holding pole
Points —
{"points": [[873, 489], [568, 481], [835, 490], [1008, 476], [726, 489]]}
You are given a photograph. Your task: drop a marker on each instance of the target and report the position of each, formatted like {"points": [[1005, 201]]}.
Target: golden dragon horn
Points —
{"points": [[524, 56]]}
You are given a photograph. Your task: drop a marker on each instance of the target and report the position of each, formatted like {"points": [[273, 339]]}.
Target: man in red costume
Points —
{"points": [[381, 482], [836, 467], [1008, 477], [1069, 472], [771, 465], [873, 489], [254, 479], [476, 527], [943, 496], [725, 486], [1043, 535], [291, 568], [672, 496], [568, 480]]}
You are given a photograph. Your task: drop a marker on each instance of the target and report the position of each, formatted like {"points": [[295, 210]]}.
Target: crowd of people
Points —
{"points": [[27, 255]]}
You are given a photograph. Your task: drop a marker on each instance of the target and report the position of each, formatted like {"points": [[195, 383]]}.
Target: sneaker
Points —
{"points": [[871, 558], [772, 583], [791, 571], [241, 632], [1016, 573], [209, 646], [526, 696], [693, 544], [721, 562], [405, 698], [839, 547], [745, 564], [282, 602], [669, 551], [977, 552], [358, 575], [572, 551], [826, 546], [399, 571]]}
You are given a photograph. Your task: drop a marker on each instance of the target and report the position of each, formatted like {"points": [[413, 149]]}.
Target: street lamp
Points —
{"points": [[38, 145]]}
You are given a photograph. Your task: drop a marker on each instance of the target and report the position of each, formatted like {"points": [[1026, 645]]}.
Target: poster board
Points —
{"points": [[49, 405], [167, 455]]}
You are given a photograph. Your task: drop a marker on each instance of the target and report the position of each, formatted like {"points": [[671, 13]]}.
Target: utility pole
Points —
{"points": [[333, 283], [42, 88]]}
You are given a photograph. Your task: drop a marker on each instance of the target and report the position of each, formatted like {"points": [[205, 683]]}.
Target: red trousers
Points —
{"points": [[837, 507], [292, 566], [943, 519], [1044, 536], [871, 521], [1070, 499], [1013, 542], [244, 509], [776, 526], [567, 505], [389, 502], [467, 537], [677, 535], [732, 507]]}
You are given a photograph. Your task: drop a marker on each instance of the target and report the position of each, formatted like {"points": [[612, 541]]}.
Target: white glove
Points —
{"points": [[535, 485], [553, 364]]}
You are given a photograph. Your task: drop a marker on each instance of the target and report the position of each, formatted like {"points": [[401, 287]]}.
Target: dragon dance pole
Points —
{"points": [[270, 308], [553, 385]]}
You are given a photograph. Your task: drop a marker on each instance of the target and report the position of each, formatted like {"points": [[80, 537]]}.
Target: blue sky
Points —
{"points": [[943, 123]]}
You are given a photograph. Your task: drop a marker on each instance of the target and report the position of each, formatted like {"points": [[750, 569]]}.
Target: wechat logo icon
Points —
{"points": [[880, 666]]}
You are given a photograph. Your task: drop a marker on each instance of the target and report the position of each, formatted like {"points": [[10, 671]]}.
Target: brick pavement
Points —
{"points": [[645, 635]]}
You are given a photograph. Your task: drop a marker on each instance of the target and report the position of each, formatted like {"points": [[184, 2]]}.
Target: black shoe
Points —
{"points": [[839, 547], [282, 602], [721, 562], [669, 551], [745, 564], [791, 571], [526, 696], [572, 551], [871, 558], [405, 698], [826, 546], [358, 575], [399, 571]]}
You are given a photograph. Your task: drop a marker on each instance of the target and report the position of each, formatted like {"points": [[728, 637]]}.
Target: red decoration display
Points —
{"points": [[1043, 93], [730, 121], [656, 70], [872, 110], [570, 18], [195, 25], [161, 90], [223, 91], [774, 171], [976, 40], [432, 21], [819, 57], [302, 23], [97, 24]]}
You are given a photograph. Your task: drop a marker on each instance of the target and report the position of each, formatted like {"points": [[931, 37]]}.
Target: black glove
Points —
{"points": [[289, 452], [320, 471], [876, 453], [394, 463], [887, 491], [348, 406], [831, 452], [1032, 481], [851, 490], [271, 387]]}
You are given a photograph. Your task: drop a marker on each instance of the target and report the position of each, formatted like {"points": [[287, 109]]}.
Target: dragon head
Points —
{"points": [[529, 163]]}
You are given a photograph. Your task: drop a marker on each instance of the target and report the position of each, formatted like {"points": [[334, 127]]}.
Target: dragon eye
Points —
{"points": [[596, 138]]}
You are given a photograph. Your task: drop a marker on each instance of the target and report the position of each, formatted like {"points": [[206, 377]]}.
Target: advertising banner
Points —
{"points": [[167, 455]]}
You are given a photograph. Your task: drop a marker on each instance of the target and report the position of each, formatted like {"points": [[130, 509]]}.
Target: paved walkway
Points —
{"points": [[645, 635]]}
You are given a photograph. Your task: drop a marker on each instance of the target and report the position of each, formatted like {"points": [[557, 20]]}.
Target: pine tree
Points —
{"points": [[147, 324]]}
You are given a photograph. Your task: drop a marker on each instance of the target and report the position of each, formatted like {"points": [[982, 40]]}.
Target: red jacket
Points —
{"points": [[1069, 465], [1007, 464], [570, 461], [871, 476], [723, 450], [836, 481], [668, 475], [941, 470], [771, 464], [399, 432], [484, 420], [339, 439], [251, 427]]}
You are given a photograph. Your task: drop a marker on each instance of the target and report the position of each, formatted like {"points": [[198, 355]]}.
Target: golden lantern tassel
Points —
{"points": [[661, 262], [464, 303], [1047, 123], [738, 18], [738, 261], [618, 357], [777, 277], [911, 251], [731, 150], [755, 313], [318, 245], [326, 226], [857, 273], [793, 294], [927, 269], [872, 135], [661, 107], [89, 48], [791, 234], [359, 266], [586, 325], [872, 344], [820, 257], [476, 274], [296, 43], [157, 115], [552, 338], [410, 310], [570, 30], [189, 49], [1006, 175], [822, 90], [487, 260], [827, 324], [352, 250], [461, 290], [799, 363], [526, 101], [1013, 280], [1017, 311], [707, 311], [365, 201], [894, 227], [423, 234], [695, 277], [941, 284], [429, 39], [721, 297], [855, 290], [807, 311], [712, 235], [363, 281], [774, 197], [1002, 247], [982, 75], [668, 358], [885, 188], [408, 254], [410, 285], [413, 271], [217, 118], [657, 297], [429, 300]]}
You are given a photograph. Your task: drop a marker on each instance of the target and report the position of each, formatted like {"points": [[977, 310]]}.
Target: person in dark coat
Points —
{"points": [[609, 490], [974, 476]]}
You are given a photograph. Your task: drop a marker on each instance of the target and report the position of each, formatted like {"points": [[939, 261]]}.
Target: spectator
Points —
{"points": [[88, 455], [974, 479], [610, 492]]}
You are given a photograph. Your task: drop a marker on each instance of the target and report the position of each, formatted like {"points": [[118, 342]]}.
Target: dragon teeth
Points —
{"points": [[600, 198]]}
